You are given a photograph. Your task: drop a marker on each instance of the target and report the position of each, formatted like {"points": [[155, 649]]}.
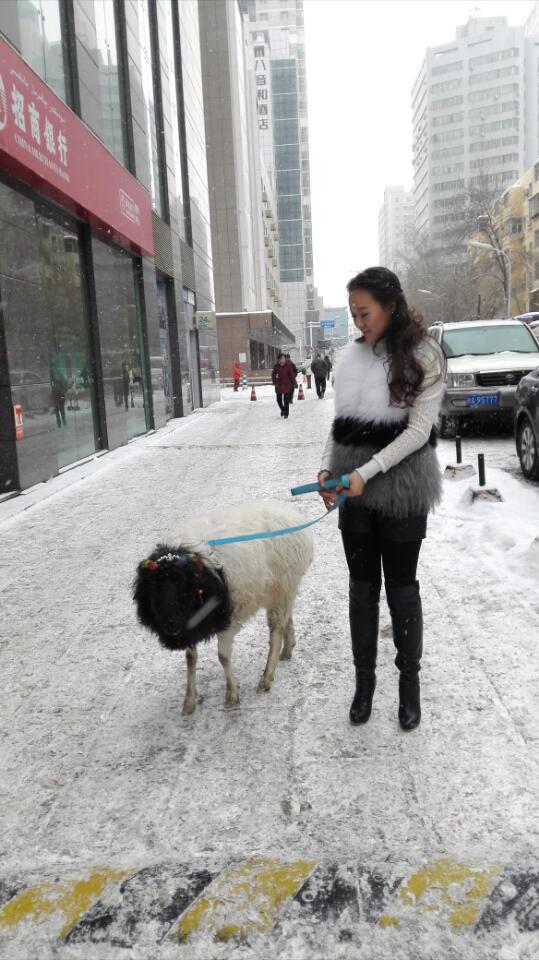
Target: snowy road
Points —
{"points": [[308, 837]]}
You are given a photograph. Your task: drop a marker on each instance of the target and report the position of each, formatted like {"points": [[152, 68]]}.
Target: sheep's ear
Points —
{"points": [[141, 596]]}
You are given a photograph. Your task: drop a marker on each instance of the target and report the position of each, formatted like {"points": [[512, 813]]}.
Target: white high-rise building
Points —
{"points": [[475, 118], [276, 35], [395, 228]]}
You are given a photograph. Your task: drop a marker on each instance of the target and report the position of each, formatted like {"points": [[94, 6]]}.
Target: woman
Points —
{"points": [[388, 388], [284, 381]]}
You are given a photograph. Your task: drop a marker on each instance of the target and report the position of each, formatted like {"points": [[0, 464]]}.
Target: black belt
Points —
{"points": [[352, 433]]}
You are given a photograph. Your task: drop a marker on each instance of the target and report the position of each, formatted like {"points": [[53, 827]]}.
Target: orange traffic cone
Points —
{"points": [[301, 395], [253, 392]]}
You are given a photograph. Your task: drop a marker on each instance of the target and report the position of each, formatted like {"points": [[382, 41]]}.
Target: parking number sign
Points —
{"points": [[19, 425]]}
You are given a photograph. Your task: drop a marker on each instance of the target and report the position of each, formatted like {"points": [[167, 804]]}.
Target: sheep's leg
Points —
{"points": [[190, 700], [224, 651], [289, 640], [276, 627]]}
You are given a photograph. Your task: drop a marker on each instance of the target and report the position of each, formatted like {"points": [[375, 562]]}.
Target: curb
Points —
{"points": [[175, 903]]}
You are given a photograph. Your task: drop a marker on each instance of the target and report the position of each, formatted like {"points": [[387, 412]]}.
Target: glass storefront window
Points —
{"points": [[69, 358], [113, 131], [121, 337], [164, 339], [41, 41]]}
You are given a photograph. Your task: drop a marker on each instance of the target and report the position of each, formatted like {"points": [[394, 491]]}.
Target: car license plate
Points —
{"points": [[482, 400]]}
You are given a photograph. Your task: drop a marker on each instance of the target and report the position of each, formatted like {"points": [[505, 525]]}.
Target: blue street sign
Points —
{"points": [[327, 324]]}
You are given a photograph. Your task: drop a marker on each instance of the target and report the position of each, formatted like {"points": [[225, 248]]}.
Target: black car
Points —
{"points": [[527, 424]]}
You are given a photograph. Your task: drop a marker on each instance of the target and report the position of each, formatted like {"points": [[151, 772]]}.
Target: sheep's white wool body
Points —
{"points": [[260, 574], [361, 387]]}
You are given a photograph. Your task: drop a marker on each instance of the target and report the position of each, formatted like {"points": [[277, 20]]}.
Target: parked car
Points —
{"points": [[528, 318], [30, 391], [486, 360], [527, 424], [534, 325]]}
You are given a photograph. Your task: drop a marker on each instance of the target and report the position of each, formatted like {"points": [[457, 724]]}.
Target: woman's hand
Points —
{"points": [[356, 488], [328, 496]]}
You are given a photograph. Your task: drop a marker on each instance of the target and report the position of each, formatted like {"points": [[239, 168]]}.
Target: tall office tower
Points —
{"points": [[475, 119], [276, 35], [242, 201], [395, 227]]}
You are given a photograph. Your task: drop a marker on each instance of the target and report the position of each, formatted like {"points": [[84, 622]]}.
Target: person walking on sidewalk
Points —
{"points": [[320, 372], [389, 385], [283, 379], [329, 366], [236, 376], [295, 369]]}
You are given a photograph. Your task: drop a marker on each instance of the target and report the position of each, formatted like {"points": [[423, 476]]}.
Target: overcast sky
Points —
{"points": [[363, 57]]}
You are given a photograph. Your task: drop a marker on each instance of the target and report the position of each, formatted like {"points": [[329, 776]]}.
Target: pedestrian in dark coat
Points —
{"points": [[284, 380], [388, 388], [329, 366], [320, 372], [295, 369]]}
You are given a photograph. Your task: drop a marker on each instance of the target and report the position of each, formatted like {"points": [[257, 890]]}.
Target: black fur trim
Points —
{"points": [[352, 432], [171, 600]]}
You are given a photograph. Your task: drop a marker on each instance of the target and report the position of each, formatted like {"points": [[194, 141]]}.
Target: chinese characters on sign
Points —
{"points": [[36, 124], [261, 79]]}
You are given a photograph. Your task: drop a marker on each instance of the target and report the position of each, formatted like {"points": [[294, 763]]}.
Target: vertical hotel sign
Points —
{"points": [[262, 82], [44, 144]]}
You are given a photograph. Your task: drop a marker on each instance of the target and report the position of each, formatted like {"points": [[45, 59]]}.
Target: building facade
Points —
{"points": [[395, 228], [475, 120], [253, 339], [105, 249], [512, 224], [276, 35]]}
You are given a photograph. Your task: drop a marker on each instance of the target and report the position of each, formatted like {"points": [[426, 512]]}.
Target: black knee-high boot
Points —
{"points": [[407, 619], [364, 615]]}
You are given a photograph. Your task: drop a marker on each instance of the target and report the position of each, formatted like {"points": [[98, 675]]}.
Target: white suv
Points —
{"points": [[486, 360]]}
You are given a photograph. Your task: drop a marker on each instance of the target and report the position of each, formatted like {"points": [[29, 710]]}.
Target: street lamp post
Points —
{"points": [[507, 291]]}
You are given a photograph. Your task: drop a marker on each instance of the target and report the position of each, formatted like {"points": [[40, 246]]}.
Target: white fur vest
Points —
{"points": [[366, 422]]}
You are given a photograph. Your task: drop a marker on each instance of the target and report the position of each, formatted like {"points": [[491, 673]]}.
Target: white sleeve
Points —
{"points": [[327, 454]]}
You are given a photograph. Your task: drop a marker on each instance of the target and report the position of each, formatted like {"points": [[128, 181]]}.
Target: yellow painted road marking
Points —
{"points": [[70, 898], [244, 899], [450, 888]]}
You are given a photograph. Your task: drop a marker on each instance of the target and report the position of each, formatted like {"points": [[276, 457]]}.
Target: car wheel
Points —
{"points": [[528, 452], [448, 426]]}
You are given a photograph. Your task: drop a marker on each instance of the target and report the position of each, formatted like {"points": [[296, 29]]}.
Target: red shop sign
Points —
{"points": [[44, 144], [19, 425]]}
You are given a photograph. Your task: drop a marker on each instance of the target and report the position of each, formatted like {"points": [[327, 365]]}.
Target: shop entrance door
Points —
{"points": [[70, 364]]}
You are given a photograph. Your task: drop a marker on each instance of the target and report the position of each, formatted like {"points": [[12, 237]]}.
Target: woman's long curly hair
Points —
{"points": [[404, 333]]}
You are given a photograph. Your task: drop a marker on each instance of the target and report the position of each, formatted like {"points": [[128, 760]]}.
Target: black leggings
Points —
{"points": [[365, 552]]}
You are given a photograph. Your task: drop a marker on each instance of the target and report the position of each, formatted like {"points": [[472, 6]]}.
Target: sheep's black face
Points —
{"points": [[179, 598]]}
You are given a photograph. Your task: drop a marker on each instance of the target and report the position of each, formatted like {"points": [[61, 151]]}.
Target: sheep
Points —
{"points": [[187, 591]]}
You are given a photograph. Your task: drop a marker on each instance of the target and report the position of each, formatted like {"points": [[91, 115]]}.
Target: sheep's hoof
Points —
{"points": [[286, 654], [188, 706], [232, 699], [264, 684]]}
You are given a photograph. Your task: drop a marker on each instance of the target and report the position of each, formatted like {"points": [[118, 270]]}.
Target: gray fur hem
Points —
{"points": [[411, 488]]}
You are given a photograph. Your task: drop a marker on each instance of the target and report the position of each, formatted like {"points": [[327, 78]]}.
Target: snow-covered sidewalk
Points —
{"points": [[103, 777]]}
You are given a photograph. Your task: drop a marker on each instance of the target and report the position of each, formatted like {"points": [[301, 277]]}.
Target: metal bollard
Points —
{"points": [[458, 443], [481, 469]]}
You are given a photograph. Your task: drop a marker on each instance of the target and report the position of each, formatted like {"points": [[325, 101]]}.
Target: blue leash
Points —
{"points": [[343, 481]]}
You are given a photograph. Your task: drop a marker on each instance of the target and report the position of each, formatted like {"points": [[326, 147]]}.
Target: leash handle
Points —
{"points": [[330, 484]]}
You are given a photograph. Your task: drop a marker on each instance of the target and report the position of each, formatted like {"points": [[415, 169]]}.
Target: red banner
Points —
{"points": [[44, 144], [19, 423]]}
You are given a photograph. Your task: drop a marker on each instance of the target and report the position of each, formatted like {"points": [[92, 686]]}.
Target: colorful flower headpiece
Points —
{"points": [[176, 560]]}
